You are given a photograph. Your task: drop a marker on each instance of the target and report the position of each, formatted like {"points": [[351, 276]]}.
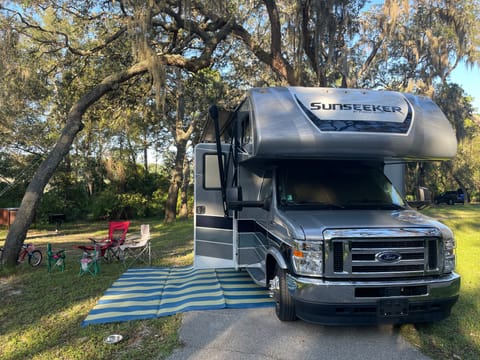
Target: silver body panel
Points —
{"points": [[370, 256], [418, 240], [324, 291], [213, 244], [282, 127]]}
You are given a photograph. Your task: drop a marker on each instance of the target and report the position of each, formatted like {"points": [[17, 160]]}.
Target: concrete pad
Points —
{"points": [[257, 334]]}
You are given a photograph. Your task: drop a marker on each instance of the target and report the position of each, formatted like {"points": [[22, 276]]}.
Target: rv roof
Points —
{"points": [[349, 123]]}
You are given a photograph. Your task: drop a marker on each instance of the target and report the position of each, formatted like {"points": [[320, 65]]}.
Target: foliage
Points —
{"points": [[140, 194], [412, 45], [458, 108], [115, 80], [15, 172], [461, 172], [72, 201], [109, 205], [105, 205]]}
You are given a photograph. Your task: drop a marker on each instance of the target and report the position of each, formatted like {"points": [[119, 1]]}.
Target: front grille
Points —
{"points": [[338, 256], [391, 291], [390, 268], [365, 256]]}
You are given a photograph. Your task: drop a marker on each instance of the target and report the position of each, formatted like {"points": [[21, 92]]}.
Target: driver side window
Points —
{"points": [[266, 189]]}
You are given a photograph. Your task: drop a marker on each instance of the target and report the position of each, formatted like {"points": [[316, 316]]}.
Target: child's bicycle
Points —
{"points": [[34, 256]]}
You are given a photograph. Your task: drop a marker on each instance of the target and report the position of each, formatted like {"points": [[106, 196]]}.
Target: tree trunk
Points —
{"points": [[181, 140], [175, 183], [145, 159], [31, 199], [184, 190]]}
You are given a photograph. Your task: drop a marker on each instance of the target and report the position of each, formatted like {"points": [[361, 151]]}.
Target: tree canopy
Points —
{"points": [[91, 89]]}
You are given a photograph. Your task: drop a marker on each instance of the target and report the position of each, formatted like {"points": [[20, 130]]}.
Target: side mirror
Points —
{"points": [[235, 200], [423, 198], [267, 204], [423, 194]]}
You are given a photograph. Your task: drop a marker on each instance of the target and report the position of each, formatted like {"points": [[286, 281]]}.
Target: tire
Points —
{"points": [[35, 258], [284, 303], [450, 202]]}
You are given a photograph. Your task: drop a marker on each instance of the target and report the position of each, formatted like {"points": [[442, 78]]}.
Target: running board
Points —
{"points": [[257, 275]]}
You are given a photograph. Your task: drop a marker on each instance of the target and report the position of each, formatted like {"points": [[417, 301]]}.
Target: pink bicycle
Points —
{"points": [[34, 256]]}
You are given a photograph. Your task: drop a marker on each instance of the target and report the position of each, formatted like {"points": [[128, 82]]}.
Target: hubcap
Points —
{"points": [[274, 288]]}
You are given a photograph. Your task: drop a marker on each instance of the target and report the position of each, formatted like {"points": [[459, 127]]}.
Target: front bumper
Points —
{"points": [[374, 302]]}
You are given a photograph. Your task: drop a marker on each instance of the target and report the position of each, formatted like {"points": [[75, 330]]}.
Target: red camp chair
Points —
{"points": [[108, 247]]}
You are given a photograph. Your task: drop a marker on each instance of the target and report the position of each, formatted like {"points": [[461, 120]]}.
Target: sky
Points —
{"points": [[469, 79]]}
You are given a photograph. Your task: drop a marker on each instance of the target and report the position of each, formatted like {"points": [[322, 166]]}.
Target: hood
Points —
{"points": [[313, 223]]}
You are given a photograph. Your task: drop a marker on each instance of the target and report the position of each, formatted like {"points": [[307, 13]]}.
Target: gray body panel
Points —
{"points": [[213, 244], [310, 225], [369, 256], [281, 128]]}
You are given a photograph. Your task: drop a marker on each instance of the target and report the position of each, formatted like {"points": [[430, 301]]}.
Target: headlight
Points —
{"points": [[307, 257], [449, 254]]}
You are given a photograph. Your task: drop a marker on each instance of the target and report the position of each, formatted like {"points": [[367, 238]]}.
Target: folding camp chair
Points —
{"points": [[138, 249], [89, 262], [108, 247], [55, 260]]}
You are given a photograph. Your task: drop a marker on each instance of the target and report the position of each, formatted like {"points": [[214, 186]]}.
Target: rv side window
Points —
{"points": [[245, 126], [246, 131], [211, 172]]}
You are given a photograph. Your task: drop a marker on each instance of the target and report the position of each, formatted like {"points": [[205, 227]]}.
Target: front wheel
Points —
{"points": [[284, 304], [35, 258]]}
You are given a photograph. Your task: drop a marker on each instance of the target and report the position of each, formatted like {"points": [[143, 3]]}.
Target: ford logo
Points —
{"points": [[388, 256]]}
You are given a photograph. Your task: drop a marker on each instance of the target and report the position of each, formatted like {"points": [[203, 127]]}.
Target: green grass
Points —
{"points": [[41, 313], [457, 337]]}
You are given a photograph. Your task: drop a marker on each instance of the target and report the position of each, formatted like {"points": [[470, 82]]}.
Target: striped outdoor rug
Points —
{"points": [[154, 292]]}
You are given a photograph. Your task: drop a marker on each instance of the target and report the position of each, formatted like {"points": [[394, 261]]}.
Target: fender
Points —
{"points": [[277, 255]]}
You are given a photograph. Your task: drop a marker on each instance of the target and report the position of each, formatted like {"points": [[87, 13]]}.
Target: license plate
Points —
{"points": [[393, 308]]}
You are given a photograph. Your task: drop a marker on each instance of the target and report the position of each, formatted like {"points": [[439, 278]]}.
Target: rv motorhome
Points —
{"points": [[304, 189]]}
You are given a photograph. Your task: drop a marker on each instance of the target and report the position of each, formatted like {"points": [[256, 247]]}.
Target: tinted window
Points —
{"points": [[211, 172], [336, 184], [266, 189]]}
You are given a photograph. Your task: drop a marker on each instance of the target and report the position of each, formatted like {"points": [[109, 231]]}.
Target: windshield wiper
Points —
{"points": [[309, 204], [373, 204]]}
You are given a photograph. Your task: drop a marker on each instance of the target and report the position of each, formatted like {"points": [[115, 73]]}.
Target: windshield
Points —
{"points": [[335, 185]]}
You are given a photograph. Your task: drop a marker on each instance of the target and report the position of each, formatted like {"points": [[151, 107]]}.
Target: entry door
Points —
{"points": [[213, 238]]}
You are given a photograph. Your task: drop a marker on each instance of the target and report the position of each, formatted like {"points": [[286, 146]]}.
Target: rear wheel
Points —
{"points": [[284, 304], [35, 258]]}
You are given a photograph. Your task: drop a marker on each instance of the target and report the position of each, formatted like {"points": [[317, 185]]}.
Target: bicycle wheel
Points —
{"points": [[35, 258]]}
